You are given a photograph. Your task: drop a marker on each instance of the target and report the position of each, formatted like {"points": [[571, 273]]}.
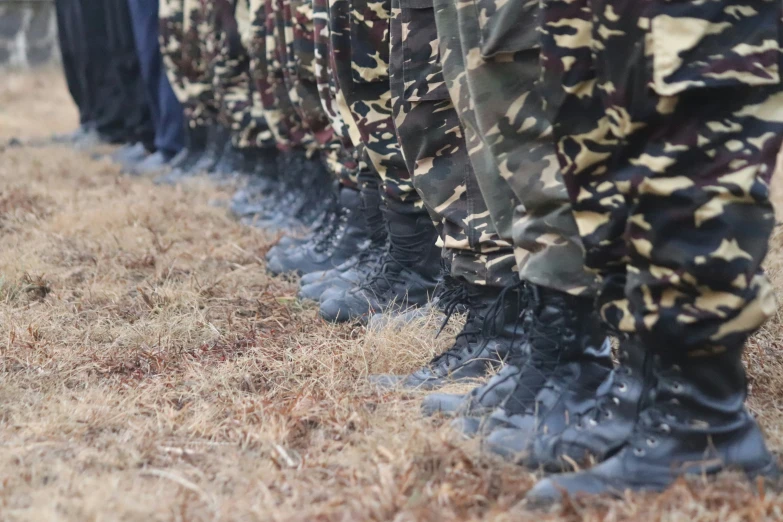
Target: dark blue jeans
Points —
{"points": [[166, 110]]}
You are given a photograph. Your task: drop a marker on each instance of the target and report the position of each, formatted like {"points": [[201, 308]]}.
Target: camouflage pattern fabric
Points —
{"points": [[360, 55], [198, 56], [231, 80], [436, 152], [344, 157], [171, 35], [491, 66], [295, 19], [668, 117], [266, 71]]}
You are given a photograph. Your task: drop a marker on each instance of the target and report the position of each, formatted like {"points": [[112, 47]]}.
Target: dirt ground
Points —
{"points": [[151, 370]]}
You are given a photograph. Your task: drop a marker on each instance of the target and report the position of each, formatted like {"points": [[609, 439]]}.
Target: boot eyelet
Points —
{"points": [[676, 387], [652, 442], [676, 368], [592, 423], [616, 401], [639, 452], [665, 428], [608, 414], [622, 388], [670, 417]]}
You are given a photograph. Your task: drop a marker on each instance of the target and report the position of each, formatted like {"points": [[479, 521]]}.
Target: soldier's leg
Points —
{"points": [[193, 64], [70, 33], [171, 18], [344, 233], [254, 139], [493, 87], [232, 89], [436, 152], [675, 216], [408, 270], [165, 108], [354, 172], [267, 110]]}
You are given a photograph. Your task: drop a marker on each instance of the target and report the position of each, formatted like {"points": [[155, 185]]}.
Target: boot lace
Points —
{"points": [[543, 361], [329, 235], [478, 326], [655, 420], [400, 252]]}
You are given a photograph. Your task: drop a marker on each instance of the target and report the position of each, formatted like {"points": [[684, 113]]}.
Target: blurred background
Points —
{"points": [[28, 33]]}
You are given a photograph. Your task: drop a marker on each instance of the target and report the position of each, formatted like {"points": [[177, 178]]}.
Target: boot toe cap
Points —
{"points": [[386, 381], [466, 426], [314, 291], [314, 277], [508, 442], [275, 266], [545, 493], [442, 403], [334, 311]]}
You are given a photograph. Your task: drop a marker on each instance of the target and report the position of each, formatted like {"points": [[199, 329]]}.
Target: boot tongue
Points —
{"points": [[550, 343]]}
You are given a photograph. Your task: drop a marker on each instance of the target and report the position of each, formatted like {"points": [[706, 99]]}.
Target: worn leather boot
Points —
{"points": [[181, 164], [264, 179], [308, 193], [566, 349], [129, 154], [405, 277], [341, 242], [605, 427], [491, 329], [693, 423], [355, 270], [481, 400], [349, 275], [217, 136], [230, 164]]}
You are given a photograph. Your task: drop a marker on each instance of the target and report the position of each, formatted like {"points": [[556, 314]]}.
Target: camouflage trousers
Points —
{"points": [[266, 73], [296, 23], [171, 36], [234, 94], [360, 57], [491, 66], [435, 150], [668, 118], [343, 156], [198, 56]]}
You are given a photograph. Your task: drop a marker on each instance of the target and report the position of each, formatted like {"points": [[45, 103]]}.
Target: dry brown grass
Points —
{"points": [[151, 370]]}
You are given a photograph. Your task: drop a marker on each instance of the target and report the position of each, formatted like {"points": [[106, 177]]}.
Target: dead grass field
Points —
{"points": [[151, 370]]}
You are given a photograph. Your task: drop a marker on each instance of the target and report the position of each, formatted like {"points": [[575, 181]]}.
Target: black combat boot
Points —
{"points": [[693, 423], [305, 195], [182, 163], [440, 300], [568, 358], [351, 274], [484, 399], [485, 341], [129, 154], [604, 428], [217, 136], [340, 243], [230, 164], [353, 271], [405, 277], [264, 178]]}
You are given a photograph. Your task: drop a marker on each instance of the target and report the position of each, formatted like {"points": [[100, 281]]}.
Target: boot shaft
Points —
{"points": [[412, 242], [372, 206], [563, 326]]}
